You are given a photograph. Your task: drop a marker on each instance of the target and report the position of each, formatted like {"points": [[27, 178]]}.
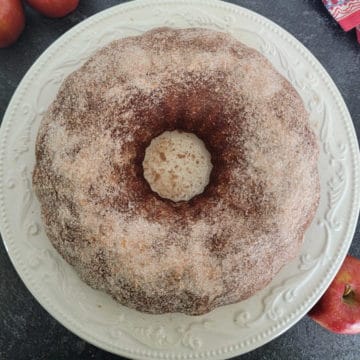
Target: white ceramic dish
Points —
{"points": [[227, 331]]}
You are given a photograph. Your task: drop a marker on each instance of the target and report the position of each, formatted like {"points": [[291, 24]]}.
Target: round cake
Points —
{"points": [[177, 171]]}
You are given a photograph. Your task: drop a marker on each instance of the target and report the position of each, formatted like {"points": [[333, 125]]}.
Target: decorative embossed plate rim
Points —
{"points": [[229, 330]]}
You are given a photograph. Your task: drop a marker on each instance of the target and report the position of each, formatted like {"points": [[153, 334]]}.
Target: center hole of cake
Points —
{"points": [[177, 165]]}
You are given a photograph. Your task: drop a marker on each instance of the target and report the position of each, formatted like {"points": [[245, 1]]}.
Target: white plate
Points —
{"points": [[229, 330]]}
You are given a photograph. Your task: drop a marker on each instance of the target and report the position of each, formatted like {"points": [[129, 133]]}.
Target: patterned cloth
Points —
{"points": [[346, 13]]}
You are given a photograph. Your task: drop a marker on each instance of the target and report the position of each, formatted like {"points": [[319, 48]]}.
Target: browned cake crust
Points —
{"points": [[150, 253]]}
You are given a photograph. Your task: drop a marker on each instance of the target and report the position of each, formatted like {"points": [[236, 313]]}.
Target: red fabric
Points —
{"points": [[346, 13], [350, 21]]}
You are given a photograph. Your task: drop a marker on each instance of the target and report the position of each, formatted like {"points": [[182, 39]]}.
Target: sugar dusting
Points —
{"points": [[149, 253]]}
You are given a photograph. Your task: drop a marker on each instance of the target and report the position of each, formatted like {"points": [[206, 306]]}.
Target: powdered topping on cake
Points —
{"points": [[246, 219]]}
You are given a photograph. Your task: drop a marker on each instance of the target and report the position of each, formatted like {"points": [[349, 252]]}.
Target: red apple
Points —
{"points": [[54, 8], [12, 21], [339, 308]]}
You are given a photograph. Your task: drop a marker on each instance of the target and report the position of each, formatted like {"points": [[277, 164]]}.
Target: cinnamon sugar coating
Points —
{"points": [[150, 253]]}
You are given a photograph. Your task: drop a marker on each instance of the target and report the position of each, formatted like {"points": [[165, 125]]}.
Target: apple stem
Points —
{"points": [[347, 290]]}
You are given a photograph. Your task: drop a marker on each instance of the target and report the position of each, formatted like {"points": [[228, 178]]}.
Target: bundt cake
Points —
{"points": [[177, 171]]}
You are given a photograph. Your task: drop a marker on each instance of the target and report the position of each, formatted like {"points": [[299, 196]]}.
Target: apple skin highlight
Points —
{"points": [[338, 310], [54, 8], [12, 21]]}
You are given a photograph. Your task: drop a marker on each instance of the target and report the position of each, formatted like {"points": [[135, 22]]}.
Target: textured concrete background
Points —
{"points": [[27, 331]]}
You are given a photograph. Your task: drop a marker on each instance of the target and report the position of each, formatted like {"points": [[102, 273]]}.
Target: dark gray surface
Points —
{"points": [[27, 331]]}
